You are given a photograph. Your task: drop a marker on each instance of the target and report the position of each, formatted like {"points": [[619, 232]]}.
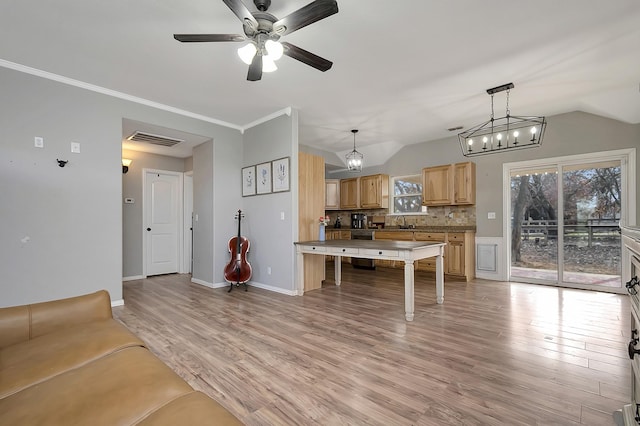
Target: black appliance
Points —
{"points": [[357, 262], [357, 220]]}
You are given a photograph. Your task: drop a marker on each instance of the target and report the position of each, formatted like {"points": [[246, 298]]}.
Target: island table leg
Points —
{"points": [[439, 279], [338, 270], [408, 289]]}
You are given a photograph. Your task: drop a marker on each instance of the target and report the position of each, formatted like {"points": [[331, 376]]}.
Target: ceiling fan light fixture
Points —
{"points": [[274, 49], [268, 65], [247, 52]]}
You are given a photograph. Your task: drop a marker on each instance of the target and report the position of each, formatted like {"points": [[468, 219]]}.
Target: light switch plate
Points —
{"points": [[75, 147], [491, 215]]}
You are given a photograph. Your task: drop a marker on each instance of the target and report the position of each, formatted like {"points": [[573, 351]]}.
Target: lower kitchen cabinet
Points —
{"points": [[460, 261]]}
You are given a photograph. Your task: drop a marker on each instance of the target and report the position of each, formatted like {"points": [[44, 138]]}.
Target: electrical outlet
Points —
{"points": [[38, 142], [268, 270], [75, 147], [491, 215], [281, 215]]}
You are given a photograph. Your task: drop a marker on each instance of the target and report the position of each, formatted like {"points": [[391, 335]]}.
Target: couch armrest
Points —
{"points": [[21, 323]]}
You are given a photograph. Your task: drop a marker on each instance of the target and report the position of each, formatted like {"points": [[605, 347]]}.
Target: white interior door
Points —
{"points": [[163, 205]]}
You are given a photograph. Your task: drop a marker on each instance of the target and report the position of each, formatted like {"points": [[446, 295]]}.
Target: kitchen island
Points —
{"points": [[407, 251]]}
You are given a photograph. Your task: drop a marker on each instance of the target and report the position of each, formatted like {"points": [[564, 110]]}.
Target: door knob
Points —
{"points": [[148, 229]]}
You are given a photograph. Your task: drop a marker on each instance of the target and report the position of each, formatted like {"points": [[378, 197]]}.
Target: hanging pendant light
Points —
{"points": [[354, 158], [504, 133]]}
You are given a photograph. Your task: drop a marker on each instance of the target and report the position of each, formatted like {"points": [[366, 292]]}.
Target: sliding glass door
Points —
{"points": [[564, 223]]}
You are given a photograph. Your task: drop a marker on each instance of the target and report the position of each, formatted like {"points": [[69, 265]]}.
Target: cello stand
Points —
{"points": [[237, 283]]}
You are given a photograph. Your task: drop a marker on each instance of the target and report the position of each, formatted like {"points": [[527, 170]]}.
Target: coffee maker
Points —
{"points": [[357, 220]]}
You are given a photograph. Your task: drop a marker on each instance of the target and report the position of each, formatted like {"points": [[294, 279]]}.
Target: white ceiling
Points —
{"points": [[404, 71]]}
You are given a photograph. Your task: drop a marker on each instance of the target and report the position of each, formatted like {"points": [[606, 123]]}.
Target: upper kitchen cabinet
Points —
{"points": [[437, 185], [464, 183], [449, 185], [332, 194], [350, 193], [374, 192]]}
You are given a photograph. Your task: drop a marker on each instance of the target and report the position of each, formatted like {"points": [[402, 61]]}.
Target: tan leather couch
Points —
{"points": [[68, 362]]}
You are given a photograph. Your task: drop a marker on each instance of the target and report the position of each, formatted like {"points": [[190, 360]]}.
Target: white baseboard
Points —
{"points": [[206, 283], [500, 273], [134, 277], [117, 303], [272, 288], [250, 283]]}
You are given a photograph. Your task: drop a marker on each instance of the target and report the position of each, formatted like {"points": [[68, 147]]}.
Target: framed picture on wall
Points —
{"points": [[249, 181], [280, 172], [263, 178]]}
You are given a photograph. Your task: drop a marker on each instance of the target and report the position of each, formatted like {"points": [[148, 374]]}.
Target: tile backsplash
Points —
{"points": [[436, 216]]}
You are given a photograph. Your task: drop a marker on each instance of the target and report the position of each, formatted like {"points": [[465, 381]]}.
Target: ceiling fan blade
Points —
{"points": [[255, 69], [242, 13], [306, 57], [197, 38], [304, 16]]}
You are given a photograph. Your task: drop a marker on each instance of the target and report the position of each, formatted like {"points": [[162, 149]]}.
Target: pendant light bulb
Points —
{"points": [[247, 52]]}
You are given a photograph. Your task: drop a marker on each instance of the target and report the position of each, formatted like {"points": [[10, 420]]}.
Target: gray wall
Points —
{"points": [[203, 208], [566, 134], [272, 238], [132, 227], [61, 228]]}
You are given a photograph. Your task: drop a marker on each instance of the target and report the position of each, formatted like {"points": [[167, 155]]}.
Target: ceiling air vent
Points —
{"points": [[153, 139]]}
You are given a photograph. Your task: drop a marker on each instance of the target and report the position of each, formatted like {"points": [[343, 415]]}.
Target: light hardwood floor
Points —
{"points": [[494, 353]]}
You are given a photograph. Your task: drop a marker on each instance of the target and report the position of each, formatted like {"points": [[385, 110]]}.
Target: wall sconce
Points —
{"points": [[125, 165]]}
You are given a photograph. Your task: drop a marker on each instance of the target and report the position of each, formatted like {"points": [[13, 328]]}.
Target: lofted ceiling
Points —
{"points": [[404, 71]]}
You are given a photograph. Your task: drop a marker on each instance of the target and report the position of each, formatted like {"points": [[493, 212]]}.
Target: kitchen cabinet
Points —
{"points": [[350, 193], [449, 184], [631, 269], [332, 194], [374, 192], [437, 185], [464, 183], [460, 261]]}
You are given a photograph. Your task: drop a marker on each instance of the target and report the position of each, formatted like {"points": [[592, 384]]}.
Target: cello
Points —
{"points": [[238, 270]]}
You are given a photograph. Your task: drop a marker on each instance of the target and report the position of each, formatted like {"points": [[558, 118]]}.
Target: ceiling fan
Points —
{"points": [[263, 30]]}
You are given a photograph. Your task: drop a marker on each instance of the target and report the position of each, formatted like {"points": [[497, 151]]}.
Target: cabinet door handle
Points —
{"points": [[631, 285], [632, 348]]}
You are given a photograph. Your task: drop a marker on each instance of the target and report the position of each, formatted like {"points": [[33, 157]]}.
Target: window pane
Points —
{"points": [[407, 185], [407, 204]]}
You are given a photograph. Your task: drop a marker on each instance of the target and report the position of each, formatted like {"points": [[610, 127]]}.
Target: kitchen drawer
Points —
{"points": [[320, 249], [341, 251], [373, 252], [430, 236], [393, 235], [456, 236]]}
